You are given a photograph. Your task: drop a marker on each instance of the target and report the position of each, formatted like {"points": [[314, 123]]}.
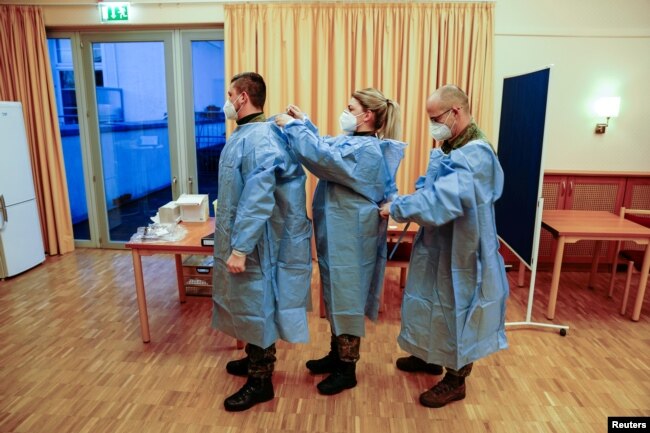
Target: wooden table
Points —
{"points": [[570, 226], [190, 244], [395, 229]]}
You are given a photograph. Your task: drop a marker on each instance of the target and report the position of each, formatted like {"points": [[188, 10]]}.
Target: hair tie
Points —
{"points": [[387, 101]]}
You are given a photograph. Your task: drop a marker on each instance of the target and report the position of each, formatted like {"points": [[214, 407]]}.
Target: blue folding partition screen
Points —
{"points": [[521, 139]]}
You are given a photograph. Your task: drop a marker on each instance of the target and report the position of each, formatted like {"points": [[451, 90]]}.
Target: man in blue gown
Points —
{"points": [[262, 266], [453, 309]]}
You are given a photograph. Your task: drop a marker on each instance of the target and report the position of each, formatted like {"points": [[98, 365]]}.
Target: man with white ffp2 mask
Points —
{"points": [[262, 250], [453, 311]]}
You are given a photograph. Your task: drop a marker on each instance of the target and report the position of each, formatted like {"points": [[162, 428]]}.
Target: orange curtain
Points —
{"points": [[315, 55], [25, 77]]}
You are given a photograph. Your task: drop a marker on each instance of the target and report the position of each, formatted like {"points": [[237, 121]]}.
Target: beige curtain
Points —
{"points": [[25, 77], [315, 55]]}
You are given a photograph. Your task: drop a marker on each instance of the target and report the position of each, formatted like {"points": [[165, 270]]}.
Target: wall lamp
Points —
{"points": [[607, 107]]}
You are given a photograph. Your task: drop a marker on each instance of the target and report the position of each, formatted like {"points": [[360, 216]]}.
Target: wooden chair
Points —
{"points": [[633, 258], [400, 259]]}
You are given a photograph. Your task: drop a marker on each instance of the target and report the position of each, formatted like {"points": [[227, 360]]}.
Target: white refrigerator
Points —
{"points": [[21, 243]]}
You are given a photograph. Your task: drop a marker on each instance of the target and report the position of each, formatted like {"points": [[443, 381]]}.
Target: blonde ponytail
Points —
{"points": [[387, 113]]}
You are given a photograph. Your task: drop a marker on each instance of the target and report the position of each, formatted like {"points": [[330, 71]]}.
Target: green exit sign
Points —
{"points": [[114, 12]]}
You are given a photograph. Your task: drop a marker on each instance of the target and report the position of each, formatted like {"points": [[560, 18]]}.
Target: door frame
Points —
{"points": [[186, 39]]}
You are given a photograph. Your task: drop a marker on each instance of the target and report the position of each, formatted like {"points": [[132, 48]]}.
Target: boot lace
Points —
{"points": [[447, 384]]}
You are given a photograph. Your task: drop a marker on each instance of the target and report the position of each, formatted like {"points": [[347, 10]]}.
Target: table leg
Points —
{"points": [[179, 278], [594, 265], [522, 274], [555, 280], [142, 299], [322, 302], [643, 280]]}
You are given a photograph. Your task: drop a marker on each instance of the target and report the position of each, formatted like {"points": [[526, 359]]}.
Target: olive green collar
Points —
{"points": [[251, 118], [471, 132]]}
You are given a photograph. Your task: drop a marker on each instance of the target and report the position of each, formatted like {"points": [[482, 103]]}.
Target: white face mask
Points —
{"points": [[440, 131], [229, 109], [348, 121]]}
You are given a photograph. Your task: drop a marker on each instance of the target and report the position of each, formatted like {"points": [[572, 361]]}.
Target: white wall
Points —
{"points": [[598, 48]]}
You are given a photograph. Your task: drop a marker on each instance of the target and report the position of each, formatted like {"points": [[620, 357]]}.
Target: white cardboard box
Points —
{"points": [[169, 213], [194, 207]]}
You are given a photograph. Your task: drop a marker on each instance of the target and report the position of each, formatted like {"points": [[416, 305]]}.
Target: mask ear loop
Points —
{"points": [[364, 121], [451, 128], [356, 116], [241, 106]]}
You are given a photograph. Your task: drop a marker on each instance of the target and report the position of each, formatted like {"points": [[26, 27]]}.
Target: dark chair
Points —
{"points": [[632, 258]]}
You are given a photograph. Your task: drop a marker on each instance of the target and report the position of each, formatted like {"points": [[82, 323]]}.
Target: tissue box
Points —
{"points": [[194, 207], [169, 213]]}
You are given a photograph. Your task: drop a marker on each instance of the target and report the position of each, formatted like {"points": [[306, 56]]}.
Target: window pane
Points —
{"points": [[60, 50], [209, 122], [134, 137]]}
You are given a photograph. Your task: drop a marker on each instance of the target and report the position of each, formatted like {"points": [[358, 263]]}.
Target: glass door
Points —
{"points": [[63, 66], [129, 83], [205, 90]]}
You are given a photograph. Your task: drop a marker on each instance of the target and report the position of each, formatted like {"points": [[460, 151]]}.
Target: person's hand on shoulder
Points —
{"points": [[295, 112], [282, 119]]}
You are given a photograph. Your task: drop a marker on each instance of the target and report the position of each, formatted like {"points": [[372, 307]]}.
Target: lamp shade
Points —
{"points": [[608, 107]]}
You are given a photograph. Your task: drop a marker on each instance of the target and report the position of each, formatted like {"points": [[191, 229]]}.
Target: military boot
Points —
{"points": [[326, 364], [450, 388], [413, 364], [344, 377], [238, 367], [255, 390]]}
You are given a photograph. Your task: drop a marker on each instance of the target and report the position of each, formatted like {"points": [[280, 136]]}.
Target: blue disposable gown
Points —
{"points": [[262, 212], [356, 174], [454, 302]]}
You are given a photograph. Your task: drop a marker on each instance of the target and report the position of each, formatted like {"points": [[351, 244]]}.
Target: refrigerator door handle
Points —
{"points": [[3, 208]]}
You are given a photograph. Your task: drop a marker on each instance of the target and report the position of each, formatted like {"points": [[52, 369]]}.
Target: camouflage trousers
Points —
{"points": [[261, 361], [347, 346], [462, 372]]}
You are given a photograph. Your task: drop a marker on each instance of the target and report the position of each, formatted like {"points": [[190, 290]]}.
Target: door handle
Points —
{"points": [[3, 207], [563, 189], [174, 184], [570, 188], [190, 182]]}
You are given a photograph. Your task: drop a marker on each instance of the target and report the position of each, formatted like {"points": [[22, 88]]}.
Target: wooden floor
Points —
{"points": [[71, 360]]}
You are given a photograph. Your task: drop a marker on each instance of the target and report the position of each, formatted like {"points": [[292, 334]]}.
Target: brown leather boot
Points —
{"points": [[413, 364], [450, 388]]}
